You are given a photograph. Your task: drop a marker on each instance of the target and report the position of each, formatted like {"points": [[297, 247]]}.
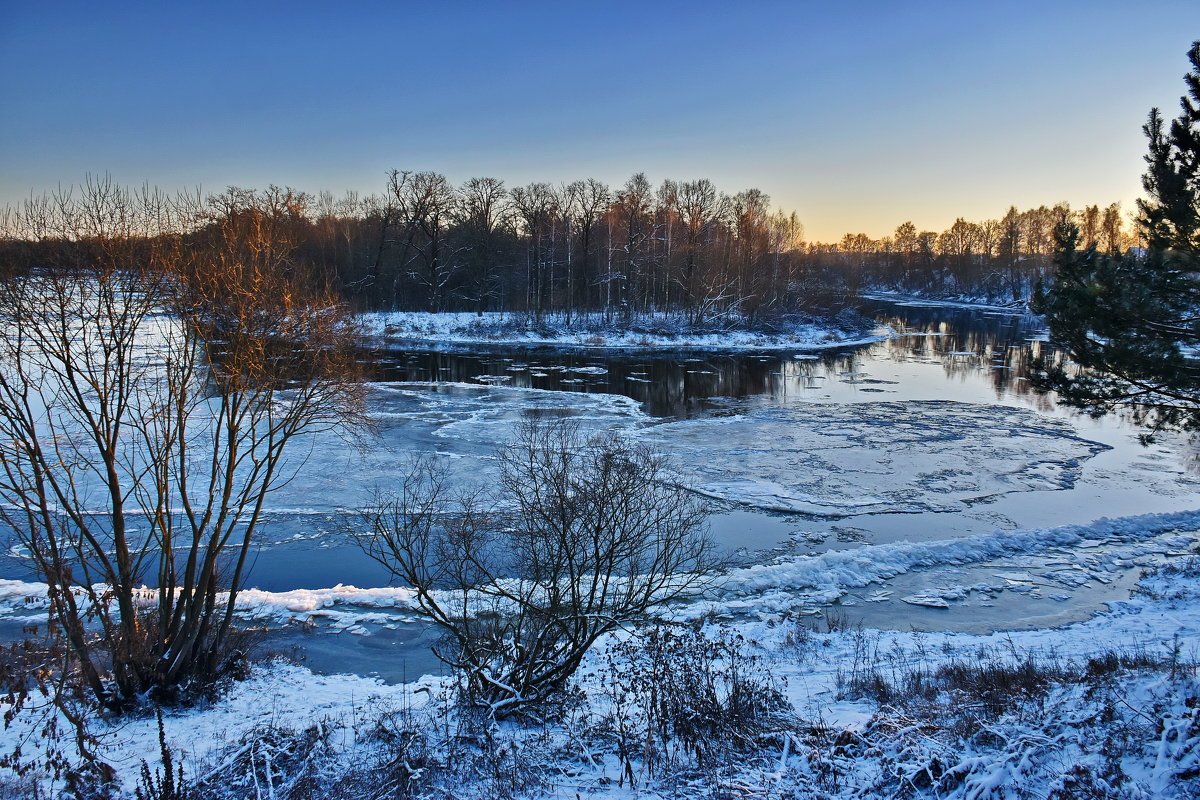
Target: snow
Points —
{"points": [[657, 333], [824, 578], [978, 303], [277, 695], [1022, 752], [340, 606]]}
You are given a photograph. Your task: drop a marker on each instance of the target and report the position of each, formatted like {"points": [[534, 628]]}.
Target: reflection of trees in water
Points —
{"points": [[968, 342], [965, 343], [677, 385]]}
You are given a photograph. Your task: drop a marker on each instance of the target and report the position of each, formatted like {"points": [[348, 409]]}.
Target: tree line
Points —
{"points": [[637, 249], [682, 247], [583, 246], [996, 259]]}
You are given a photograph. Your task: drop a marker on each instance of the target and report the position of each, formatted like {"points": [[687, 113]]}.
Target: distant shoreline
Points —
{"points": [[956, 301], [589, 332]]}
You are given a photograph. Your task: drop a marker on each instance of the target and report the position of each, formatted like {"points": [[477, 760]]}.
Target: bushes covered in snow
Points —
{"points": [[779, 708]]}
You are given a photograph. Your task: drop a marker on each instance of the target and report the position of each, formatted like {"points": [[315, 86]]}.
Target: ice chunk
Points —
{"points": [[927, 600]]}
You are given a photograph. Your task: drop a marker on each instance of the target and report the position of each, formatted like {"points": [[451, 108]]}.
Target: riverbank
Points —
{"points": [[844, 712], [593, 331], [950, 301]]}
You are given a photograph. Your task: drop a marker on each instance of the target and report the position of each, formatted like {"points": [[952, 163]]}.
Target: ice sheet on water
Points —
{"points": [[885, 457], [459, 424], [927, 600]]}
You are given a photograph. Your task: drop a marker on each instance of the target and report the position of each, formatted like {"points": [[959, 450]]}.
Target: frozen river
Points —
{"points": [[914, 482]]}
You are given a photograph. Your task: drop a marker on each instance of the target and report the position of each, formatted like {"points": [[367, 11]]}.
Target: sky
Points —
{"points": [[857, 115]]}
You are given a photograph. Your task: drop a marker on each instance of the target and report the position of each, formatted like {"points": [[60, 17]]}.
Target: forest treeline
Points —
{"points": [[997, 259], [626, 251]]}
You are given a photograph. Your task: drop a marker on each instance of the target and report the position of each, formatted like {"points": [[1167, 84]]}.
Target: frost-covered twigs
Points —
{"points": [[48, 731], [277, 763], [682, 698], [990, 729], [1178, 753], [585, 535]]}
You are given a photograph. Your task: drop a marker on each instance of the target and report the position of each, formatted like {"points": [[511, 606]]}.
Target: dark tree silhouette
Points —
{"points": [[1132, 322]]}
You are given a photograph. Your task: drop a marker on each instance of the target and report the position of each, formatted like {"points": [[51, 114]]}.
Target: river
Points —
{"points": [[917, 471]]}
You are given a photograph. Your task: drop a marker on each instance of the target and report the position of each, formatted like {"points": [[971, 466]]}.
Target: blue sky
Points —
{"points": [[857, 115]]}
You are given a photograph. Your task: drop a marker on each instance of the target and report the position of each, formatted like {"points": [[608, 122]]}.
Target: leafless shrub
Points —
{"points": [[681, 697], [167, 782], [585, 535]]}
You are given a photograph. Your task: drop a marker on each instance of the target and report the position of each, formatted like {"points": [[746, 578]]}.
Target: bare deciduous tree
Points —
{"points": [[536, 206], [151, 381], [481, 213], [585, 535]]}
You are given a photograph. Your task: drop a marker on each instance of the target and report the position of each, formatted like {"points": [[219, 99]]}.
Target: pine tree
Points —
{"points": [[1130, 323]]}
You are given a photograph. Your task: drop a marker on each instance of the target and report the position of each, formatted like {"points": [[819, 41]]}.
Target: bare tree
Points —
{"points": [[1112, 237], [632, 205], [481, 213], [427, 204], [151, 381], [586, 202], [586, 535], [750, 211], [536, 205], [699, 208]]}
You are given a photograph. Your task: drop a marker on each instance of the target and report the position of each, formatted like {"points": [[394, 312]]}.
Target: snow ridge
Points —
{"points": [[830, 575]]}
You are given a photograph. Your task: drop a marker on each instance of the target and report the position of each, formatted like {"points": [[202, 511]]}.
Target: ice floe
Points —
{"points": [[841, 460]]}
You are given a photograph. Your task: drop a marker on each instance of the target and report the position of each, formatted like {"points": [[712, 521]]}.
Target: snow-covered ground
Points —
{"points": [[1146, 718], [657, 333]]}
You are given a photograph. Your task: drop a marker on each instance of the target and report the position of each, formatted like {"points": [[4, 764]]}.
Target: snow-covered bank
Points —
{"points": [[662, 332], [1114, 699], [951, 301]]}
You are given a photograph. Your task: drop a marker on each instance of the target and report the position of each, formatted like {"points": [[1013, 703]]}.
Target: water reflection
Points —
{"points": [[668, 385], [969, 345]]}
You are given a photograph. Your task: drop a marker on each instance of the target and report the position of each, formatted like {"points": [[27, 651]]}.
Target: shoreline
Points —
{"points": [[1020, 307], [448, 330]]}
